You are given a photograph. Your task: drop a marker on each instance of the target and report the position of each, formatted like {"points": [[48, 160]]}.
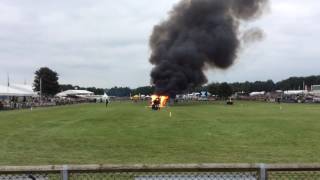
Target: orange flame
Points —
{"points": [[163, 100]]}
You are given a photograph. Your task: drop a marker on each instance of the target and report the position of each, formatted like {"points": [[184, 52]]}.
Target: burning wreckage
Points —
{"points": [[158, 102], [198, 35]]}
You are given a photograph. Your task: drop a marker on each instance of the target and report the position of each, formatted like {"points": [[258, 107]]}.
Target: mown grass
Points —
{"points": [[128, 133]]}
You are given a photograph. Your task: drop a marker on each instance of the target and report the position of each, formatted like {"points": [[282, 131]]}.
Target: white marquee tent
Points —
{"points": [[75, 93], [22, 87], [105, 97], [257, 93], [16, 91], [295, 92]]}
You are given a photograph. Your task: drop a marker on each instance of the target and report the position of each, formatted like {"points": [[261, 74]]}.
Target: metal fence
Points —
{"points": [[164, 172]]}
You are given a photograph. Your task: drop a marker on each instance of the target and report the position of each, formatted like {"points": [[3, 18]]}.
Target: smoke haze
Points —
{"points": [[197, 35]]}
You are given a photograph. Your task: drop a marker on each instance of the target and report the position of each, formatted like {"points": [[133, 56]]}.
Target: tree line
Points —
{"points": [[50, 86], [292, 83], [47, 80], [226, 89]]}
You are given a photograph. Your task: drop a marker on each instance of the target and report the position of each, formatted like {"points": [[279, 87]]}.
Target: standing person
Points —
{"points": [[1, 105], [279, 100], [107, 102], [156, 104]]}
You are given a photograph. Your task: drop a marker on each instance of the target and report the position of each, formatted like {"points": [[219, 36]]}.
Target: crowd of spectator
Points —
{"points": [[14, 103]]}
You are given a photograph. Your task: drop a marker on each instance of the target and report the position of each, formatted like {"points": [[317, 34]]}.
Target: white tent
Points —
{"points": [[257, 93], [105, 97], [295, 92], [23, 87], [75, 93], [11, 91]]}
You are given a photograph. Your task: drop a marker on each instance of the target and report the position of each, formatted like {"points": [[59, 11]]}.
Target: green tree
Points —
{"points": [[269, 86], [146, 90], [295, 83], [225, 90], [96, 91], [119, 91], [65, 87], [49, 81], [213, 88]]}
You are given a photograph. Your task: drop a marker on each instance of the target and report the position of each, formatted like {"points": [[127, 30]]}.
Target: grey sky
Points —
{"points": [[105, 43]]}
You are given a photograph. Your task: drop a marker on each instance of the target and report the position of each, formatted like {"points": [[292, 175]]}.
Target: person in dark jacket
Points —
{"points": [[156, 104], [107, 102]]}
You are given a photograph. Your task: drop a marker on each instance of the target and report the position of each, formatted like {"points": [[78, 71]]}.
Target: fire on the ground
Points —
{"points": [[160, 101]]}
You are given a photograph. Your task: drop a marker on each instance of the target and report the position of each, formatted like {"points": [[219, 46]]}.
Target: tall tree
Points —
{"points": [[213, 88], [296, 83], [96, 91], [119, 91], [48, 80], [65, 87], [225, 90], [145, 90]]}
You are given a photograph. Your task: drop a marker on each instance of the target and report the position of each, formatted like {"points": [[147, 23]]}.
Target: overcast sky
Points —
{"points": [[104, 43]]}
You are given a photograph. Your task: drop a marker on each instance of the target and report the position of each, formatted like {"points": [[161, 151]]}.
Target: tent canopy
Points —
{"points": [[22, 87], [105, 96], [257, 93], [75, 93], [295, 92], [12, 91]]}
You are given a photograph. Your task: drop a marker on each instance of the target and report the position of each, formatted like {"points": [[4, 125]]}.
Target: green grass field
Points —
{"points": [[127, 133]]}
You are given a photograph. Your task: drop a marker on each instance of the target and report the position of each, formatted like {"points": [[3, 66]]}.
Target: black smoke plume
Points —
{"points": [[197, 35]]}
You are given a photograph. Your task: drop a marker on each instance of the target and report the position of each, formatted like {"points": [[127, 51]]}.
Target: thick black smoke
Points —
{"points": [[198, 34]]}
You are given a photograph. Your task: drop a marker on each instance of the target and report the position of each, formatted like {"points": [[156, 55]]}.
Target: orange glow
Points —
{"points": [[163, 100]]}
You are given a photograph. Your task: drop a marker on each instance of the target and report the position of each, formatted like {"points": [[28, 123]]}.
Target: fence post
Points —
{"points": [[64, 172], [263, 172]]}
